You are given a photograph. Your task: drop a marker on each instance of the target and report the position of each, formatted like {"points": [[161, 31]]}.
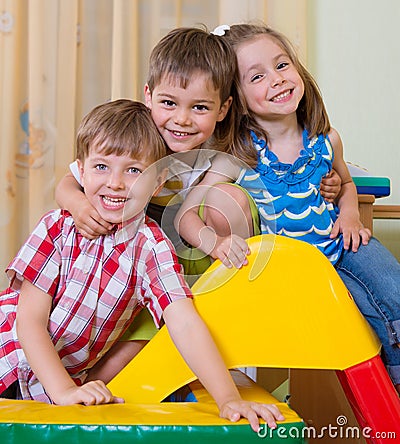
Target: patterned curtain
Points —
{"points": [[60, 58]]}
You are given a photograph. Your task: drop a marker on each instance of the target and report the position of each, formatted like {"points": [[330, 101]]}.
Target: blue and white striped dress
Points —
{"points": [[288, 195]]}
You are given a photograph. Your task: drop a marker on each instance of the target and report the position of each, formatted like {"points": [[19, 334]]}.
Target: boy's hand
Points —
{"points": [[231, 251], [234, 410], [353, 232], [330, 186], [88, 221], [91, 393]]}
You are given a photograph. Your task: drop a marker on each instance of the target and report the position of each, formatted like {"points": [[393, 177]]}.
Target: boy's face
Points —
{"points": [[186, 118], [119, 187]]}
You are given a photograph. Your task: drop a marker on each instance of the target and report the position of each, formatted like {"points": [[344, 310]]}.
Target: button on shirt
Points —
{"points": [[98, 286]]}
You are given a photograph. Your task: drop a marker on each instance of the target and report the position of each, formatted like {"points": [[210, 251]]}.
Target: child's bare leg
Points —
{"points": [[227, 211], [119, 355]]}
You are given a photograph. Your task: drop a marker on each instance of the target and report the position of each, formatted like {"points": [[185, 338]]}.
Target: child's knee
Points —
{"points": [[227, 209]]}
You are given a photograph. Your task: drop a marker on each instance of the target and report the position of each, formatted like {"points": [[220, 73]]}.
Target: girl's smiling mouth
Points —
{"points": [[180, 133], [282, 96]]}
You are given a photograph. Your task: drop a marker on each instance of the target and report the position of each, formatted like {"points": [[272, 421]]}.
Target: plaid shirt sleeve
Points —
{"points": [[163, 279], [39, 258]]}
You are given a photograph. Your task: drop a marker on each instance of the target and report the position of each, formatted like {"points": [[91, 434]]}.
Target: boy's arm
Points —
{"points": [[70, 196], [32, 320], [330, 186], [348, 221], [119, 355], [229, 249], [197, 347]]}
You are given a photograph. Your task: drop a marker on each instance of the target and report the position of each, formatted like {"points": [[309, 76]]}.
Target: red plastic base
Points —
{"points": [[374, 400]]}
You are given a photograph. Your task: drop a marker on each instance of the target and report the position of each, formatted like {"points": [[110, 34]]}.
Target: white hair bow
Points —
{"points": [[220, 30]]}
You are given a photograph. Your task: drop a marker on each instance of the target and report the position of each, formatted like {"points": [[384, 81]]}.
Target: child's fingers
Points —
{"points": [[252, 411], [91, 228], [269, 413], [96, 392], [99, 225], [335, 230], [238, 256], [232, 251], [365, 234], [355, 240]]}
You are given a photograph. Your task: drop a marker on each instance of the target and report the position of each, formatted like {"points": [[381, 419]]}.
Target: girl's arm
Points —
{"points": [[70, 196], [197, 347], [232, 249], [348, 221], [32, 319]]}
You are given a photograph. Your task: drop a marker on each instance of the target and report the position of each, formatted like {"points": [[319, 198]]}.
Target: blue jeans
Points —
{"points": [[372, 275]]}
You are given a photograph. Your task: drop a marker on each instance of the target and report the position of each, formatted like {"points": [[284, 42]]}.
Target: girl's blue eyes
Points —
{"points": [[254, 78], [279, 66]]}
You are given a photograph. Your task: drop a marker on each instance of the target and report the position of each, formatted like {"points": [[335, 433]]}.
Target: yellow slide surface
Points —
{"points": [[287, 308]]}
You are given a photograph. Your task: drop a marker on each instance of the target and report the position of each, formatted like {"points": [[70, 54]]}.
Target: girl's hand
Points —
{"points": [[91, 393], [353, 232], [234, 410], [330, 186], [231, 251], [88, 221]]}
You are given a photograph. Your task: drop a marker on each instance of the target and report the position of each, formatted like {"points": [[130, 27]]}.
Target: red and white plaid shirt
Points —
{"points": [[98, 287]]}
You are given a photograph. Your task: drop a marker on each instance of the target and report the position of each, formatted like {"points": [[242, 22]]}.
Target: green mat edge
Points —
{"points": [[17, 433]]}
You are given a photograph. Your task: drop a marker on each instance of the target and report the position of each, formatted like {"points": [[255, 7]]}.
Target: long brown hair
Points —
{"points": [[311, 112]]}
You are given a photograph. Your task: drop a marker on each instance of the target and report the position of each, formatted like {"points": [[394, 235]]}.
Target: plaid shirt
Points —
{"points": [[98, 287]]}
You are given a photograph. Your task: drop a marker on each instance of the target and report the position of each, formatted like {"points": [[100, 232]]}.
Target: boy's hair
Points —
{"points": [[182, 53], [121, 127], [311, 112]]}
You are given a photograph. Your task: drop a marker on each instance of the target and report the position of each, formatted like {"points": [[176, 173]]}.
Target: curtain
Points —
{"points": [[60, 58]]}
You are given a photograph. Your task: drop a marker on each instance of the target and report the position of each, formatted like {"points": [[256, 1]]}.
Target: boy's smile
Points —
{"points": [[118, 187], [186, 117]]}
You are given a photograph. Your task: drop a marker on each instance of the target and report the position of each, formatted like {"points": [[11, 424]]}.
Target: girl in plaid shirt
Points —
{"points": [[71, 298]]}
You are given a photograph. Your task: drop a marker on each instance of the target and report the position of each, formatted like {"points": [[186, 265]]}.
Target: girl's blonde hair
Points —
{"points": [[311, 112], [120, 127], [182, 53]]}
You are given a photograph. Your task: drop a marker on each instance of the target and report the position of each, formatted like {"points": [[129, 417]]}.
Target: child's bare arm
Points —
{"points": [[348, 221], [119, 355], [330, 186], [70, 196], [32, 320], [198, 348], [232, 249]]}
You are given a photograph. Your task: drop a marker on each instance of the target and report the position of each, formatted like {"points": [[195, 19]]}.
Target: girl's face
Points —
{"points": [[186, 118], [269, 80]]}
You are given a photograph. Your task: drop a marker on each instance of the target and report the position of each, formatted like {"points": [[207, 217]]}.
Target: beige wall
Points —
{"points": [[354, 53], [352, 48]]}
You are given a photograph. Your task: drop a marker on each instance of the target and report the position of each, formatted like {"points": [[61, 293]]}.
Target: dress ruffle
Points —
{"points": [[271, 168]]}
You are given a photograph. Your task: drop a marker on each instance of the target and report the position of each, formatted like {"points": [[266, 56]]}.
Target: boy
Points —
{"points": [[71, 298]]}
